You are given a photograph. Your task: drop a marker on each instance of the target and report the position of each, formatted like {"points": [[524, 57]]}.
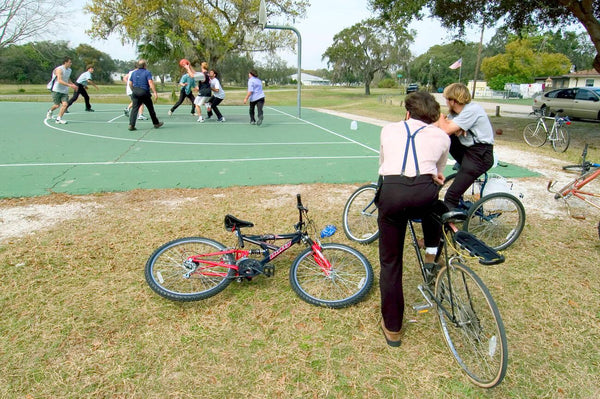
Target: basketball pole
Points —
{"points": [[263, 22]]}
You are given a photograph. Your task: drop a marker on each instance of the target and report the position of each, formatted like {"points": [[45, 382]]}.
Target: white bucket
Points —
{"points": [[353, 125], [496, 184]]}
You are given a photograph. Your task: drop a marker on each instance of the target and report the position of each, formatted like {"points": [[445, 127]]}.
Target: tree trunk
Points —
{"points": [[367, 88], [584, 12]]}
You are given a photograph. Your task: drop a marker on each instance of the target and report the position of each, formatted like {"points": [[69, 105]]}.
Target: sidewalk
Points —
{"points": [[516, 110]]}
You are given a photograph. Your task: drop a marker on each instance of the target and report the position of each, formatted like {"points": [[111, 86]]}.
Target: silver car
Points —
{"points": [[575, 102]]}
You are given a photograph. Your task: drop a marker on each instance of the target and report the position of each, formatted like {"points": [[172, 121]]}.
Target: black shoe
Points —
{"points": [[89, 110], [259, 121], [159, 124], [132, 128], [431, 272]]}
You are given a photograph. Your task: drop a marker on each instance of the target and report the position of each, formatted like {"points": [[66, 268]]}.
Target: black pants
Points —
{"points": [[182, 96], [259, 106], [81, 90], [474, 161], [403, 198], [139, 97], [214, 102]]}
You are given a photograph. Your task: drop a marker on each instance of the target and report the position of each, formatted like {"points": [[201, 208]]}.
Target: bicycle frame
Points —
{"points": [[575, 188]]}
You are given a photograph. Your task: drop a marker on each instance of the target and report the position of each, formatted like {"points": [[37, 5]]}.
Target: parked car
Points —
{"points": [[576, 102], [411, 88]]}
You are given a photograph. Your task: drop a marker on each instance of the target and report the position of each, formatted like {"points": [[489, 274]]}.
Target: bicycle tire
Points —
{"points": [[348, 282], [497, 219], [563, 138], [360, 215], [167, 270], [476, 337], [533, 135]]}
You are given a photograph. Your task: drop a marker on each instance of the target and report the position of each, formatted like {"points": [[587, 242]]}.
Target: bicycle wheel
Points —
{"points": [[360, 215], [171, 274], [534, 135], [471, 325], [563, 138], [580, 169], [496, 219], [347, 282]]}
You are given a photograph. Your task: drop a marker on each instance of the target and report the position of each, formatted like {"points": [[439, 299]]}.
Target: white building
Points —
{"points": [[310, 80]]}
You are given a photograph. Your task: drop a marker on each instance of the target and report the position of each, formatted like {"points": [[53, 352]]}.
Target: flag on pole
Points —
{"points": [[457, 64]]}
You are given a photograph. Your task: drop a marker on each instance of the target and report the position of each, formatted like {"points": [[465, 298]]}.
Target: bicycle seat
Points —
{"points": [[454, 216], [232, 223]]}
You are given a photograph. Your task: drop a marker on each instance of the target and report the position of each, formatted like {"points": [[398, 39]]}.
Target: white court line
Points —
{"points": [[183, 161], [327, 130]]}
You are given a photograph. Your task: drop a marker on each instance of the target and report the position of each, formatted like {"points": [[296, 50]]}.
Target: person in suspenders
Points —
{"points": [[412, 158]]}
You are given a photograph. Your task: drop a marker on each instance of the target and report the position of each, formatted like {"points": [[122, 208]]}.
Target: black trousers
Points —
{"points": [[182, 96], [402, 198], [474, 161], [214, 102], [139, 97], [258, 104], [81, 90]]}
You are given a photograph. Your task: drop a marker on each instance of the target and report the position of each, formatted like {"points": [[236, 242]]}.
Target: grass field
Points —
{"points": [[78, 320]]}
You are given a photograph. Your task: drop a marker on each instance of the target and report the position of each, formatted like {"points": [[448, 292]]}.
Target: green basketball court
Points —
{"points": [[95, 152]]}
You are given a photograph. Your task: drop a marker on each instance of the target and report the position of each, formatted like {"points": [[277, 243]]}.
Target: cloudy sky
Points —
{"points": [[324, 19]]}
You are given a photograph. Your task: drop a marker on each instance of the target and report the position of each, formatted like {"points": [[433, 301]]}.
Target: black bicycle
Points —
{"points": [[469, 318], [496, 218], [194, 268]]}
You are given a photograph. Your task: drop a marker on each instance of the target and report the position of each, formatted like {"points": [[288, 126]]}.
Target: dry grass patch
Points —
{"points": [[78, 319]]}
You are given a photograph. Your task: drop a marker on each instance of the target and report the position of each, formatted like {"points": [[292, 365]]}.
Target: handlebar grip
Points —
{"points": [[299, 200]]}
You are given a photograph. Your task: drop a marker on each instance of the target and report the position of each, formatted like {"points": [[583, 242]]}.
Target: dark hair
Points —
{"points": [[253, 73], [66, 59], [88, 67], [215, 72], [422, 106]]}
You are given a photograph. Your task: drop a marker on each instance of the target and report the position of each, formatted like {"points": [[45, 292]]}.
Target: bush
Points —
{"points": [[387, 83]]}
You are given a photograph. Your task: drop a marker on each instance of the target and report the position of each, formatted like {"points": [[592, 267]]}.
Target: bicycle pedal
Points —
{"points": [[269, 270], [422, 307]]}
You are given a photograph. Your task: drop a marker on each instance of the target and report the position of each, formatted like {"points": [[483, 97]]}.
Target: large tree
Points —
{"points": [[366, 48], [203, 30], [23, 19], [516, 14]]}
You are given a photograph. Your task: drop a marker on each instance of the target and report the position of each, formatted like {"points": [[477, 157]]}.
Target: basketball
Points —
{"points": [[183, 62], [199, 76]]}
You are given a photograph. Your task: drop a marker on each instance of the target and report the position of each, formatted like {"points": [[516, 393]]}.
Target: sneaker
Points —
{"points": [[200, 119], [208, 117], [221, 120], [170, 113], [431, 271], [253, 122], [208, 108], [142, 118], [49, 115], [126, 111], [159, 124], [132, 128], [259, 121], [89, 110], [61, 121]]}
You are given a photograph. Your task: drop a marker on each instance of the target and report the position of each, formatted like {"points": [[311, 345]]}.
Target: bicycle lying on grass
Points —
{"points": [[579, 187], [468, 316], [536, 133], [496, 218], [194, 268]]}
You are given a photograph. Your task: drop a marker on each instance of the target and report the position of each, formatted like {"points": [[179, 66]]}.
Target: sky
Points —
{"points": [[324, 19]]}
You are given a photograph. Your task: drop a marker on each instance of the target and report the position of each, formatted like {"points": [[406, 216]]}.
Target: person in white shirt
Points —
{"points": [[61, 78], [218, 95], [256, 96], [82, 82]]}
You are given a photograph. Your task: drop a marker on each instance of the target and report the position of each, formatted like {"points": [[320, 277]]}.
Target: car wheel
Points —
{"points": [[545, 110]]}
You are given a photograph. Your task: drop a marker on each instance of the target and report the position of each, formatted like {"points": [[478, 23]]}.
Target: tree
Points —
{"points": [[521, 64], [201, 30], [102, 62], [32, 62], [366, 48], [517, 14], [23, 19]]}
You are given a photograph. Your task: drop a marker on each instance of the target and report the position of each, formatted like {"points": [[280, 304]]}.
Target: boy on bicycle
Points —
{"points": [[472, 140]]}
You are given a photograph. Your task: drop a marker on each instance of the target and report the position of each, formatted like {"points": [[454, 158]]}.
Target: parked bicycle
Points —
{"points": [[469, 318], [496, 218], [194, 268], [579, 187], [536, 134]]}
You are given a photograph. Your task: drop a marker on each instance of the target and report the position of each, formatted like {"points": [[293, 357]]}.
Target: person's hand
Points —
{"points": [[439, 179], [245, 100], [155, 96], [460, 132]]}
